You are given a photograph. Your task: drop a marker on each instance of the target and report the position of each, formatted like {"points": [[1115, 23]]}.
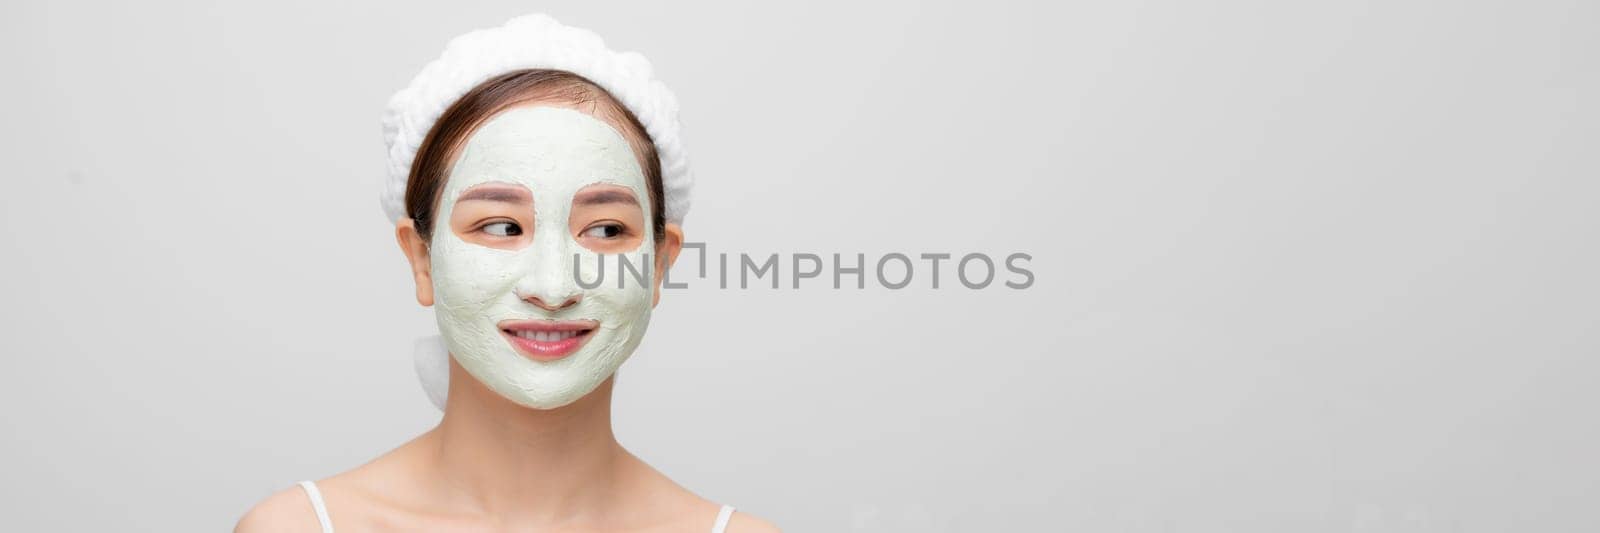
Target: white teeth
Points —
{"points": [[546, 336]]}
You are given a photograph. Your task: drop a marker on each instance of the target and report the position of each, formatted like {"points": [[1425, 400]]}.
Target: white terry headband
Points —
{"points": [[527, 42], [533, 41]]}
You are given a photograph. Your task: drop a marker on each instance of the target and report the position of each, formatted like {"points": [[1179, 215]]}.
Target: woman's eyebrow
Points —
{"points": [[605, 197], [495, 194]]}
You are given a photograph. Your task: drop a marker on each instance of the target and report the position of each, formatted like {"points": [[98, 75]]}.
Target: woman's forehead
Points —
{"points": [[546, 147]]}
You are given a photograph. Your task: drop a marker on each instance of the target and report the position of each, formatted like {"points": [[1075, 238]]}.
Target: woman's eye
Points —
{"points": [[607, 231], [502, 229]]}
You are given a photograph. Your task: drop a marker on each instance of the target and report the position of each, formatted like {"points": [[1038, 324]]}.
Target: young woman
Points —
{"points": [[537, 189]]}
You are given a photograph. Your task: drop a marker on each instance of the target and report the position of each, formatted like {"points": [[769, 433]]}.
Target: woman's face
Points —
{"points": [[536, 198]]}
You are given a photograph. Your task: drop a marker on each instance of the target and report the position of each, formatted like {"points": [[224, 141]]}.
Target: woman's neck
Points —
{"points": [[503, 459]]}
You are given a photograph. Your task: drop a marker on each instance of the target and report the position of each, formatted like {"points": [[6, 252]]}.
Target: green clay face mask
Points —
{"points": [[484, 297]]}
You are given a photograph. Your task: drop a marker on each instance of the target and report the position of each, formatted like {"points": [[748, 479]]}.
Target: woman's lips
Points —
{"points": [[548, 340]]}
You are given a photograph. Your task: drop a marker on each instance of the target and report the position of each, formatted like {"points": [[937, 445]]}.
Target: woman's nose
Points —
{"points": [[549, 303], [548, 283]]}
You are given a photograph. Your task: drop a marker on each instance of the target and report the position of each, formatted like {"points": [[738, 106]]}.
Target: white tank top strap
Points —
{"points": [[321, 508], [722, 519]]}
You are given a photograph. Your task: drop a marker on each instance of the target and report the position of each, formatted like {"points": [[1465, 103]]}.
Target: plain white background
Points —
{"points": [[1300, 266]]}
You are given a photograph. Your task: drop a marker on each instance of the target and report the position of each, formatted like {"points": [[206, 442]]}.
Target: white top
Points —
{"points": [[315, 495], [316, 503]]}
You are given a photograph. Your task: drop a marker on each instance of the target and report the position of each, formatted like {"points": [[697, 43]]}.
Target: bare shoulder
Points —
{"points": [[287, 510], [742, 522], [690, 511]]}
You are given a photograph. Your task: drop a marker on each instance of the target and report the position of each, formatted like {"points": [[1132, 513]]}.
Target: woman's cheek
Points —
{"points": [[467, 276]]}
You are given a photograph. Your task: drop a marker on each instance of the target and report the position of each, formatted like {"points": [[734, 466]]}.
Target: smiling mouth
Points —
{"points": [[548, 340]]}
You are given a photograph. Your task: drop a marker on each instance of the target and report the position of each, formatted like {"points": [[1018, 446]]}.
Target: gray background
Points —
{"points": [[1300, 266]]}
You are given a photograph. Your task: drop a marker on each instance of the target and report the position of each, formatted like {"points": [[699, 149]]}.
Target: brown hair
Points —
{"points": [[431, 167]]}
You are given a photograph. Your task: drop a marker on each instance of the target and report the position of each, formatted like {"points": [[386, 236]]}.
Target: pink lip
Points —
{"points": [[548, 340]]}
